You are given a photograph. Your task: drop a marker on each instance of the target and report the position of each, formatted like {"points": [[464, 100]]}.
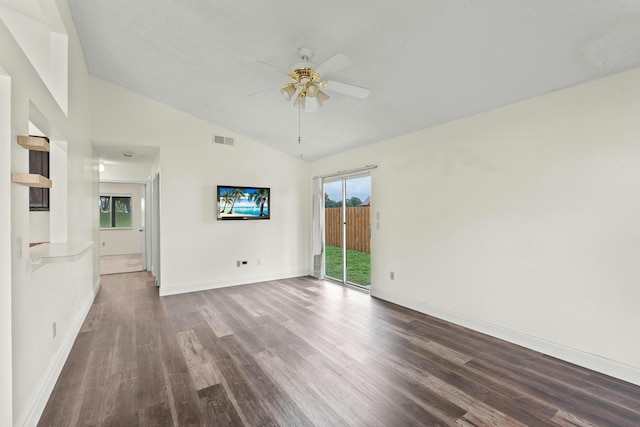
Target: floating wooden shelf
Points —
{"points": [[35, 143], [31, 180]]}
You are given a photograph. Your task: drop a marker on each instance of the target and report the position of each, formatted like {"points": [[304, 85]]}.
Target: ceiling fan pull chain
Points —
{"points": [[299, 139]]}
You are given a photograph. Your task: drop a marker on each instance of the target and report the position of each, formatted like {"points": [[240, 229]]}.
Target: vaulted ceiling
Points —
{"points": [[426, 62]]}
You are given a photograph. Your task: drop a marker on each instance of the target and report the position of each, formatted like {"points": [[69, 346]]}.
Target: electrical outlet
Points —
{"points": [[54, 329], [392, 276], [259, 261], [238, 263]]}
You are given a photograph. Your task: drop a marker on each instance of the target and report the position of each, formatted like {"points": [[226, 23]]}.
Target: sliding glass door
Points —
{"points": [[333, 230], [348, 230]]}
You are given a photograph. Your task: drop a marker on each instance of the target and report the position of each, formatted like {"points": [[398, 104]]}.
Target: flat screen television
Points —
{"points": [[242, 203]]}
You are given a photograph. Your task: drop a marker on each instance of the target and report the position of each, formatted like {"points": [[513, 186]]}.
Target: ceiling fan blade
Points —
{"points": [[347, 89], [266, 66], [333, 64], [267, 89]]}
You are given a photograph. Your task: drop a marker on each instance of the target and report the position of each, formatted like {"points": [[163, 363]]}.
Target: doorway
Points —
{"points": [[129, 204], [122, 221], [347, 205]]}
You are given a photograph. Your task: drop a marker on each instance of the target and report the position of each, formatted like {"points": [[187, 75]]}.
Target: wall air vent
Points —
{"points": [[224, 140]]}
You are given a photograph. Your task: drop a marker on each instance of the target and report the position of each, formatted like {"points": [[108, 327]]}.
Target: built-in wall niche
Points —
{"points": [[39, 185], [48, 229], [47, 182]]}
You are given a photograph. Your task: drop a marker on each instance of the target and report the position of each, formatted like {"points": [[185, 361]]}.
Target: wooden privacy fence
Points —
{"points": [[358, 220]]}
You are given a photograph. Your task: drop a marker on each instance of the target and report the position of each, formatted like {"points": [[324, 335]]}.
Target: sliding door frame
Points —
{"points": [[342, 178]]}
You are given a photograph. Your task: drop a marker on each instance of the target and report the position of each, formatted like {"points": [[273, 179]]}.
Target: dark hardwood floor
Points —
{"points": [[303, 352]]}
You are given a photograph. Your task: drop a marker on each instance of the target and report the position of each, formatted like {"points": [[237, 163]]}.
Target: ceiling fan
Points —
{"points": [[305, 90]]}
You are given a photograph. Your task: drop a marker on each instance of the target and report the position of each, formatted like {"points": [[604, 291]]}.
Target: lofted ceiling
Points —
{"points": [[426, 62]]}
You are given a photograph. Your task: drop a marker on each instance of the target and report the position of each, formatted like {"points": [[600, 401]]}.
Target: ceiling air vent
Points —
{"points": [[224, 140]]}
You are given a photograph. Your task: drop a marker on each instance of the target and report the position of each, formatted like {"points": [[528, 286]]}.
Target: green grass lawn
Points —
{"points": [[123, 219], [358, 265], [105, 219]]}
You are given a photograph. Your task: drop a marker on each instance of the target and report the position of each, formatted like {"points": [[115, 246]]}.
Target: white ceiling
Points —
{"points": [[426, 61], [126, 155]]}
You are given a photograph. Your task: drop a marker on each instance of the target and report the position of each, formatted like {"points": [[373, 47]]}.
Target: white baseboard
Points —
{"points": [[594, 362], [225, 283], [45, 392]]}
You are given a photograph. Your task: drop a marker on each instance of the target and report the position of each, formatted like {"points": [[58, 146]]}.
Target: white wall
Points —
{"points": [[522, 221], [197, 251], [57, 292], [125, 173], [6, 371], [120, 241], [39, 227], [59, 197]]}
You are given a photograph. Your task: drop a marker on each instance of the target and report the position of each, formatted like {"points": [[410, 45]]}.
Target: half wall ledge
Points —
{"points": [[49, 253]]}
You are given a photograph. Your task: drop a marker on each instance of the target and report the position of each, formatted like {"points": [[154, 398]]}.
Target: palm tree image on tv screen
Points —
{"points": [[243, 202]]}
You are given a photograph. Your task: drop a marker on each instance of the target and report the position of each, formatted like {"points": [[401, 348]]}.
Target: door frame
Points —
{"points": [[343, 179], [150, 223], [154, 216]]}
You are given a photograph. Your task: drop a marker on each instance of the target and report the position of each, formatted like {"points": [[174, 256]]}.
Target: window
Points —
{"points": [[115, 211], [39, 164]]}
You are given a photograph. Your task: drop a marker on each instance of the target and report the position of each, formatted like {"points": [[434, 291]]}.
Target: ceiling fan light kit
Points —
{"points": [[299, 102], [312, 90], [288, 91], [322, 98]]}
